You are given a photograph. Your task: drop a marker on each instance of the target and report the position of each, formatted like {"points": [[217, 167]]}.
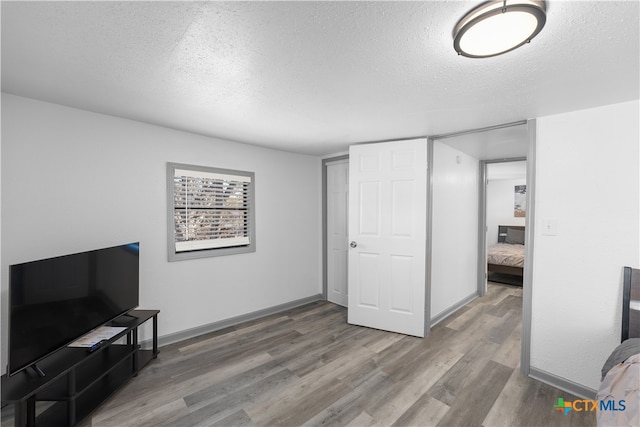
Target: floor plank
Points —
{"points": [[472, 404], [307, 366]]}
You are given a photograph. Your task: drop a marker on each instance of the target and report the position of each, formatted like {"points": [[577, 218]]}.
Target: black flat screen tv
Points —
{"points": [[54, 301]]}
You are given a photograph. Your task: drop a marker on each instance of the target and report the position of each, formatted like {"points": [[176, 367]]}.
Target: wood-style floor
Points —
{"points": [[307, 366]]}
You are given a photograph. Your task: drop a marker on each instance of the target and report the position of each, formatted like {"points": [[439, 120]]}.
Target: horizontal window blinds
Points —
{"points": [[211, 210]]}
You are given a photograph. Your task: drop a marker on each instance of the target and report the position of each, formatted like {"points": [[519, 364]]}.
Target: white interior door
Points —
{"points": [[337, 239], [387, 235]]}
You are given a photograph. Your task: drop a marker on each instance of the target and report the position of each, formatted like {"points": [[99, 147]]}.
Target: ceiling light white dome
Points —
{"points": [[498, 26]]}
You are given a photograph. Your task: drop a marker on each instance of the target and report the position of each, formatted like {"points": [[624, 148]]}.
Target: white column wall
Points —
{"points": [[454, 251], [587, 183]]}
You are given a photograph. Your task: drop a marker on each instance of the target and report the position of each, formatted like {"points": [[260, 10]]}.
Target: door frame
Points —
{"points": [[429, 249], [525, 352], [527, 279], [529, 223], [419, 173], [325, 241], [482, 220], [429, 228]]}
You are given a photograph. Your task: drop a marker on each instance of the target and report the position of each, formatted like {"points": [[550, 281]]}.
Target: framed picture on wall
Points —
{"points": [[520, 201]]}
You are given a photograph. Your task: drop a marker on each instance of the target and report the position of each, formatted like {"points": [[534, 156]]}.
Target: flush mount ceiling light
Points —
{"points": [[498, 26]]}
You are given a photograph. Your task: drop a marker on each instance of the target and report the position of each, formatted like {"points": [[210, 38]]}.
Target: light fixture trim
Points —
{"points": [[492, 8]]}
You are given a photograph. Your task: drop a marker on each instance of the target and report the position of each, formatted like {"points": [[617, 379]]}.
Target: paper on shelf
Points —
{"points": [[97, 335]]}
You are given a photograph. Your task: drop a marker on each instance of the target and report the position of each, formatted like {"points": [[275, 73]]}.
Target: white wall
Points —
{"points": [[500, 202], [74, 180], [455, 228], [587, 181]]}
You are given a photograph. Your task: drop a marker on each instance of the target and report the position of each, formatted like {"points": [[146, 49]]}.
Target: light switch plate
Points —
{"points": [[549, 227]]}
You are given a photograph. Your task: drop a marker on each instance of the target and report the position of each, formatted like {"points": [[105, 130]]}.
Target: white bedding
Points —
{"points": [[506, 254], [621, 385]]}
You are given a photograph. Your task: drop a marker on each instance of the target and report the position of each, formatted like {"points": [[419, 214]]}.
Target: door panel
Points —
{"points": [[370, 203], [387, 222], [402, 208], [401, 295], [369, 280]]}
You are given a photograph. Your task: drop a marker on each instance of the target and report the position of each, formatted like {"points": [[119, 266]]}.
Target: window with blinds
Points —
{"points": [[211, 211]]}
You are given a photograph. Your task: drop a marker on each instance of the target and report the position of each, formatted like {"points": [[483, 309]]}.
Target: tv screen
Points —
{"points": [[54, 301]]}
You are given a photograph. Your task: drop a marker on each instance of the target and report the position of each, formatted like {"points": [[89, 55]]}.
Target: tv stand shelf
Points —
{"points": [[76, 381]]}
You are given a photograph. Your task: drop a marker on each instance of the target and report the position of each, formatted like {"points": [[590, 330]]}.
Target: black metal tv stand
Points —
{"points": [[124, 320], [38, 371], [77, 381]]}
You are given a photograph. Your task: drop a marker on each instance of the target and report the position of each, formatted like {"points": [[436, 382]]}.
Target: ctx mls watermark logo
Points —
{"points": [[589, 405]]}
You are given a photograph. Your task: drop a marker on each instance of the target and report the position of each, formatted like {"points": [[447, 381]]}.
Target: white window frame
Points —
{"points": [[182, 250]]}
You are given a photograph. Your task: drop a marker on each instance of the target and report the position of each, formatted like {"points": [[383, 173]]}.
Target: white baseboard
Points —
{"points": [[221, 324], [455, 307], [562, 384]]}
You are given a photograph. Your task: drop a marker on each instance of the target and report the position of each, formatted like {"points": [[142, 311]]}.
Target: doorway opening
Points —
{"points": [[492, 144], [515, 141], [505, 211]]}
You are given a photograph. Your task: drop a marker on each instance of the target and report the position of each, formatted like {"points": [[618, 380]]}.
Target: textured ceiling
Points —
{"points": [[312, 77]]}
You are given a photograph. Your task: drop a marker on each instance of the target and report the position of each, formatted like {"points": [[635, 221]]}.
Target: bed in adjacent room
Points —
{"points": [[505, 260], [620, 386]]}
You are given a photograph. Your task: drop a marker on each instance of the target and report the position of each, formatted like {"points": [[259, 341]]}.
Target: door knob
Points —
{"points": [[353, 244]]}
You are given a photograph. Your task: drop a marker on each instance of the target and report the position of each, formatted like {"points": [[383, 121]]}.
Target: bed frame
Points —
{"points": [[505, 269], [631, 303], [619, 375]]}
